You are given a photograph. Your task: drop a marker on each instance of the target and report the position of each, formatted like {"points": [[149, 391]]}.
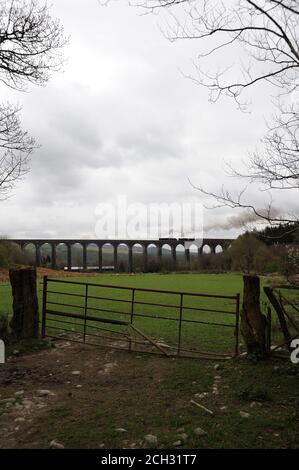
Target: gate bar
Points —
{"points": [[149, 339], [180, 323], [43, 330], [132, 315], [109, 286], [85, 312], [237, 324]]}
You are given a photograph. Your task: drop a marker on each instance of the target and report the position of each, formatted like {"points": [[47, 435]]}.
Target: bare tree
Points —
{"points": [[30, 43], [264, 34], [278, 166], [16, 147], [267, 30], [30, 49]]}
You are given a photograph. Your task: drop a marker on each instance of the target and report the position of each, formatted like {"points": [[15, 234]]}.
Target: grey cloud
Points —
{"points": [[122, 120]]}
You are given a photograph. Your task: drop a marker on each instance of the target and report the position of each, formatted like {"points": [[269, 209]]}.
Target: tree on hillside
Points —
{"points": [[248, 254], [264, 34], [279, 234], [30, 49]]}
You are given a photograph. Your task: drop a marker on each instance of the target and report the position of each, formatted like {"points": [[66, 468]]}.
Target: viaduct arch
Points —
{"points": [[172, 243]]}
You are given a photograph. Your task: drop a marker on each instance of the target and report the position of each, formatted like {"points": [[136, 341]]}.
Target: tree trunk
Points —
{"points": [[24, 323], [253, 322]]}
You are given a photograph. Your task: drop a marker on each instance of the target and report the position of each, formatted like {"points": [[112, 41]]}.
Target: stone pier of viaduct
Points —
{"points": [[170, 243]]}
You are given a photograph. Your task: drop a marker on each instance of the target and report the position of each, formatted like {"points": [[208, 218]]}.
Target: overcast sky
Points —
{"points": [[122, 119]]}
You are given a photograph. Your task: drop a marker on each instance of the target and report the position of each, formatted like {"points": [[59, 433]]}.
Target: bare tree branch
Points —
{"points": [[30, 49], [30, 43], [16, 147], [267, 32]]}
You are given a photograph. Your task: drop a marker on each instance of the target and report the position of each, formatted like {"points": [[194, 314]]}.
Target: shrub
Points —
{"points": [[290, 260], [11, 254], [248, 254]]}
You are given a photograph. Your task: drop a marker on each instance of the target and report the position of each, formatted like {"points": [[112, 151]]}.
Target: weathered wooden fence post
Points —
{"points": [[4, 332], [24, 323], [280, 313], [253, 322]]}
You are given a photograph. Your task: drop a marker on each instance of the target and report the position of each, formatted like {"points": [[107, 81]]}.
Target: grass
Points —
{"points": [[198, 336], [147, 394], [270, 424], [27, 346]]}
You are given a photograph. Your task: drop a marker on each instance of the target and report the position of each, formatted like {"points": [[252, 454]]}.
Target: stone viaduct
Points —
{"points": [[171, 243]]}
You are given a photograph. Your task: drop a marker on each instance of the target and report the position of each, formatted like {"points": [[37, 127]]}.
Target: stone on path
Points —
{"points": [[201, 395], [56, 445], [7, 400], [200, 432], [183, 436], [177, 443], [151, 440], [45, 393], [28, 403], [18, 406]]}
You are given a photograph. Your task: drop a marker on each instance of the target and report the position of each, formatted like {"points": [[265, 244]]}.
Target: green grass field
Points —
{"points": [[161, 321], [202, 336]]}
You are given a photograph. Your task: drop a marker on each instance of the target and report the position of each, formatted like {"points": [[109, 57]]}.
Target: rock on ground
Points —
{"points": [[56, 445], [151, 440], [200, 432]]}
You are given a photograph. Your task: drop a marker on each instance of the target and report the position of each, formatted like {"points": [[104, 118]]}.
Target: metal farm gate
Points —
{"points": [[171, 323]]}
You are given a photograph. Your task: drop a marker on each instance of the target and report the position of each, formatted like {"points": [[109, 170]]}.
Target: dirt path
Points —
{"points": [[79, 396], [34, 387]]}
